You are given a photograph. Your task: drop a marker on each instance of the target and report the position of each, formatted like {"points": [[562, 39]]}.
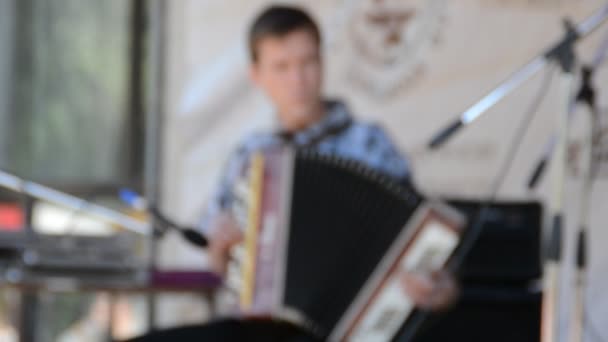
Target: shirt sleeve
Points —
{"points": [[223, 197], [385, 155]]}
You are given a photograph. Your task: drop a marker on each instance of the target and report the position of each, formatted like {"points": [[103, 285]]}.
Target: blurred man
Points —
{"points": [[286, 64]]}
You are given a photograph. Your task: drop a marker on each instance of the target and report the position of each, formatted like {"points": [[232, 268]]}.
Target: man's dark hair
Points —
{"points": [[278, 21]]}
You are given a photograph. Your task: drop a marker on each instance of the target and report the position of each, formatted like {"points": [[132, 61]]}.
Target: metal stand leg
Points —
{"points": [[112, 300], [590, 155], [552, 269], [28, 316]]}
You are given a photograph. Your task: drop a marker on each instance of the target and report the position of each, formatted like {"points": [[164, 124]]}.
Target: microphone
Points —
{"points": [[191, 235], [447, 132]]}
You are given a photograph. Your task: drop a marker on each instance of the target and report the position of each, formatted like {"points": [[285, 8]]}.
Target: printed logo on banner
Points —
{"points": [[390, 40]]}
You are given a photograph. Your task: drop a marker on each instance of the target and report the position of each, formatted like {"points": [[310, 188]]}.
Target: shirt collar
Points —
{"points": [[336, 115]]}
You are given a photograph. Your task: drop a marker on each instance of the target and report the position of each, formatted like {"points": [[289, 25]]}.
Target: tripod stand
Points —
{"points": [[563, 54]]}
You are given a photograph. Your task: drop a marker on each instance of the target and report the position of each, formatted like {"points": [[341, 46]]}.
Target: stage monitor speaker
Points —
{"points": [[497, 314], [508, 249]]}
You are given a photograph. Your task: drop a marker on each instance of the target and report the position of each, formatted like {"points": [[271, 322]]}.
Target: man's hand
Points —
{"points": [[225, 233], [435, 291]]}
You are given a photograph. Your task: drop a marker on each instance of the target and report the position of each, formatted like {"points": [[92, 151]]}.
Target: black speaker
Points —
{"points": [[508, 248], [497, 303], [488, 314]]}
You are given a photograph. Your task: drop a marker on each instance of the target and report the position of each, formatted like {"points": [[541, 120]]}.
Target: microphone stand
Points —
{"points": [[41, 192], [563, 54], [587, 97], [520, 76], [600, 56], [157, 21], [552, 266]]}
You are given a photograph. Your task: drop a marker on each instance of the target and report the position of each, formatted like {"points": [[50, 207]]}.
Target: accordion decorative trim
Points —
{"points": [[425, 244]]}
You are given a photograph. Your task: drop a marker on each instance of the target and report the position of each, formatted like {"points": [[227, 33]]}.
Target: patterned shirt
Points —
{"points": [[335, 134]]}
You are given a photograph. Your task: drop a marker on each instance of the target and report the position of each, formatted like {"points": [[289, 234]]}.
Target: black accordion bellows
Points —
{"points": [[344, 217]]}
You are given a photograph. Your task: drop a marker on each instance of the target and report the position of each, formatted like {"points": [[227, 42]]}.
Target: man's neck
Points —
{"points": [[315, 116]]}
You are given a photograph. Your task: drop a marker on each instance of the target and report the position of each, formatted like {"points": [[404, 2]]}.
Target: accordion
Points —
{"points": [[326, 241]]}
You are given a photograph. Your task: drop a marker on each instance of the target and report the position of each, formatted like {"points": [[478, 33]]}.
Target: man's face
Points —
{"points": [[288, 69]]}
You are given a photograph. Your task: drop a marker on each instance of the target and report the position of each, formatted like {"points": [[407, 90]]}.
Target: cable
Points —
{"points": [[508, 163], [476, 228], [521, 131]]}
